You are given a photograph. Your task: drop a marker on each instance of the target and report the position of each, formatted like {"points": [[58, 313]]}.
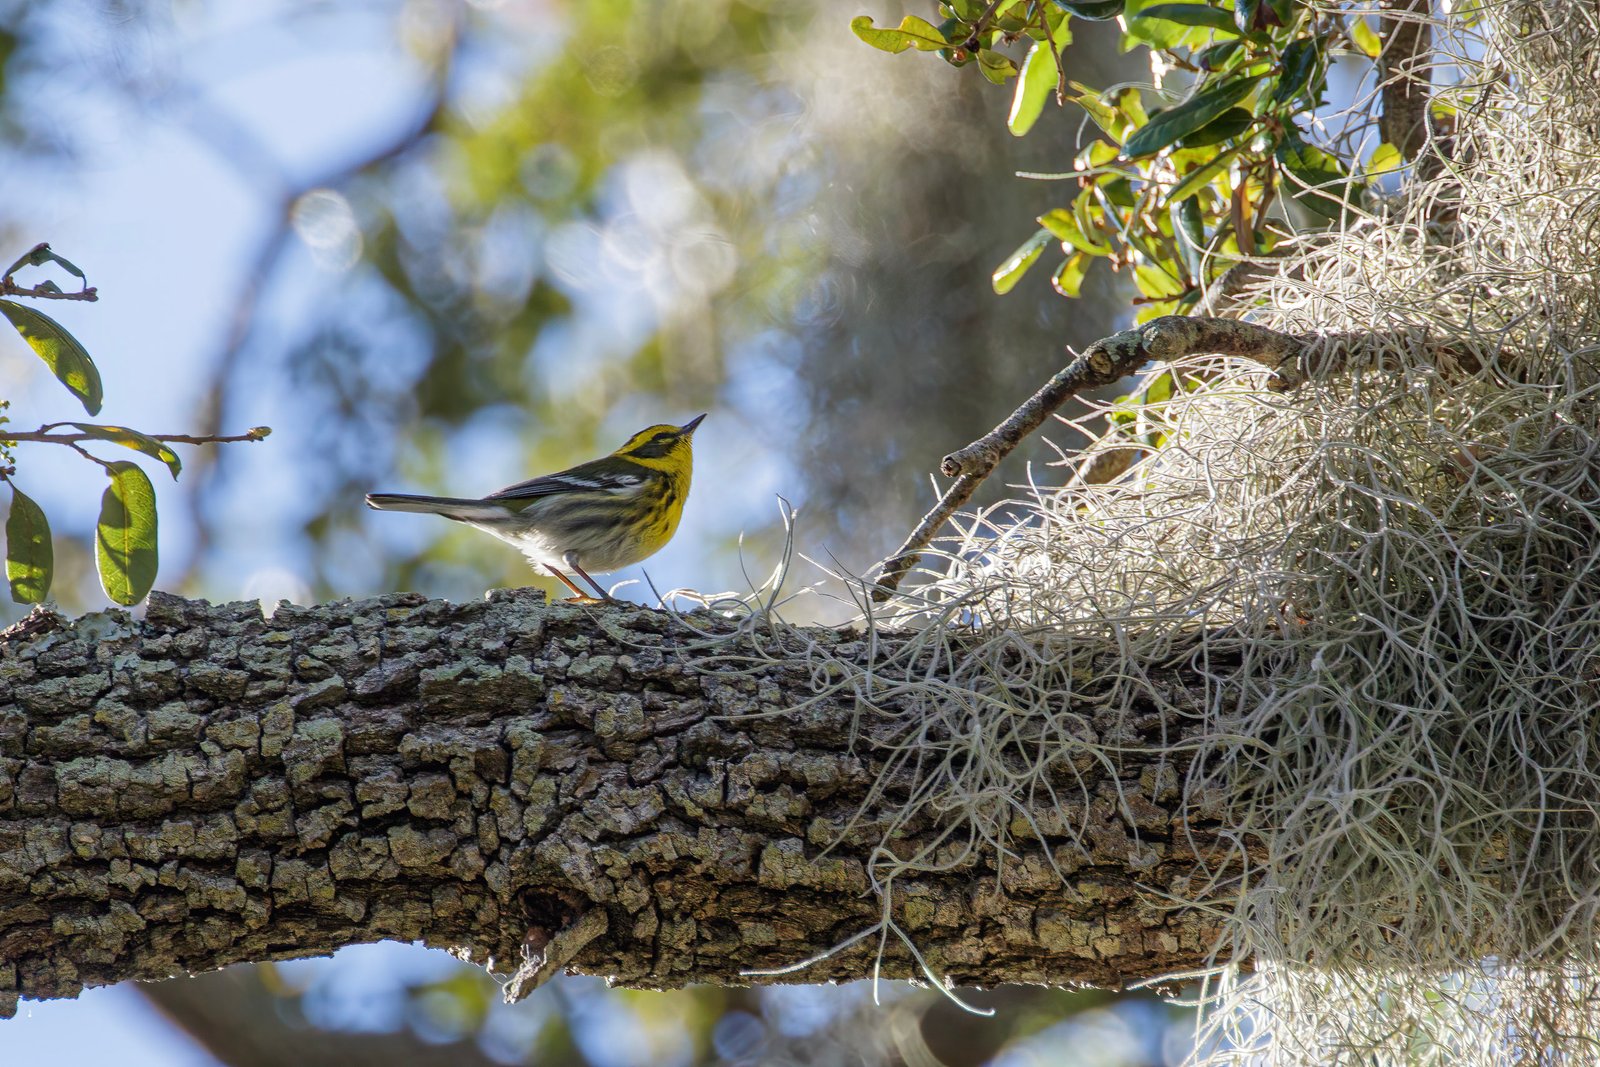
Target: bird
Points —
{"points": [[602, 515]]}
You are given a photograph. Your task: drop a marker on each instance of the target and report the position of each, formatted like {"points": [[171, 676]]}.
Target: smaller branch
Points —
{"points": [[86, 454], [1407, 35], [1104, 362], [38, 256], [45, 291], [544, 962], [971, 43], [43, 436]]}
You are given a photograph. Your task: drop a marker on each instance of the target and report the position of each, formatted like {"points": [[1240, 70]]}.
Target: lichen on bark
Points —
{"points": [[204, 786]]}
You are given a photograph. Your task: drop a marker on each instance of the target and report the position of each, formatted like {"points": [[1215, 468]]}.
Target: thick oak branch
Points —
{"points": [[520, 782]]}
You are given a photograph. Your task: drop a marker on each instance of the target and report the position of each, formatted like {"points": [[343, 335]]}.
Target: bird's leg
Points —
{"points": [[571, 560], [564, 580]]}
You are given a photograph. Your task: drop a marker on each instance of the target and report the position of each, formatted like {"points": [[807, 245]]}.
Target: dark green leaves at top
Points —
{"points": [[1299, 62], [135, 440], [60, 351], [912, 33], [1093, 10], [30, 558], [125, 540], [1187, 117], [1203, 15], [1231, 123], [1216, 56]]}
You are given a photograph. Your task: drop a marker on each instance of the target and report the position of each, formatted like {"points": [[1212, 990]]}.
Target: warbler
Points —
{"points": [[602, 515]]}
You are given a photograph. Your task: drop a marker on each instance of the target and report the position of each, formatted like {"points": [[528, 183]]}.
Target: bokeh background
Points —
{"points": [[442, 246]]}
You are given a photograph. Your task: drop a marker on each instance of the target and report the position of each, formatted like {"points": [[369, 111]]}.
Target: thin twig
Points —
{"points": [[971, 43], [1104, 362], [45, 291], [43, 435]]}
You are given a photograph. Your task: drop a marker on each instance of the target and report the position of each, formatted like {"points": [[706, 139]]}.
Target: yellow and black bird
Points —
{"points": [[601, 516]]}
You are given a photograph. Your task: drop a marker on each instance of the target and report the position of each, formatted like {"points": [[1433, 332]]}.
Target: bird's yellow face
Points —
{"points": [[665, 448]]}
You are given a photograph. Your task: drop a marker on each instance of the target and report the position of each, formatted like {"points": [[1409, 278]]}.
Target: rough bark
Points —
{"points": [[205, 786]]}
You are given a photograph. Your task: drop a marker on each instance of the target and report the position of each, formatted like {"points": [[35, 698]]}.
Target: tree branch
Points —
{"points": [[1406, 39], [1102, 363], [46, 291], [44, 436], [205, 786]]}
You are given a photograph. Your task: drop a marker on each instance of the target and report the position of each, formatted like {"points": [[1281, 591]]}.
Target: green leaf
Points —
{"points": [[1039, 73], [135, 440], [38, 256], [1063, 226], [1131, 103], [1231, 123], [1215, 57], [1320, 181], [1203, 15], [125, 542], [912, 33], [1197, 180], [1284, 9], [1068, 279], [1386, 157], [1009, 273], [995, 66], [1159, 388], [1093, 10], [1107, 117], [1365, 38], [1299, 61], [30, 557], [1086, 209], [1189, 233], [60, 351], [1156, 281], [1187, 117], [1166, 30], [1245, 14]]}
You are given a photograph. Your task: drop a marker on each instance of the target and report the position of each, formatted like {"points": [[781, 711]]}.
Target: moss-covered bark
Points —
{"points": [[205, 786]]}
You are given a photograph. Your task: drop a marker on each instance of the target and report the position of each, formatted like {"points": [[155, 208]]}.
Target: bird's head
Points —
{"points": [[664, 447]]}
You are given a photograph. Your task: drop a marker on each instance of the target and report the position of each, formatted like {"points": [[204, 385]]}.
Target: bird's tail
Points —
{"points": [[450, 507]]}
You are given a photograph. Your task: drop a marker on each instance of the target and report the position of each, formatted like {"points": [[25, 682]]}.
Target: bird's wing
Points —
{"points": [[607, 475]]}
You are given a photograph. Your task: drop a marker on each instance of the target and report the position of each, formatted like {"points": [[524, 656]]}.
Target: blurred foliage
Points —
{"points": [[677, 207], [248, 1016]]}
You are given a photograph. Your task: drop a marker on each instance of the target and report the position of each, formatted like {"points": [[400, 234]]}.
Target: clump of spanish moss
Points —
{"points": [[1387, 582]]}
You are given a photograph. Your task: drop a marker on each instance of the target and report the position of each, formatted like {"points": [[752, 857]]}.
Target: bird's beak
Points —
{"points": [[688, 428]]}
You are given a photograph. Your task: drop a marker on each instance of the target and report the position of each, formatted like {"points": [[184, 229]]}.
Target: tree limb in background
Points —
{"points": [[235, 1016], [227, 138], [1403, 73], [1102, 363]]}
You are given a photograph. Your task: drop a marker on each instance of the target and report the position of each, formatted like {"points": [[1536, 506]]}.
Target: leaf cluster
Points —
{"points": [[1177, 185], [126, 533]]}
